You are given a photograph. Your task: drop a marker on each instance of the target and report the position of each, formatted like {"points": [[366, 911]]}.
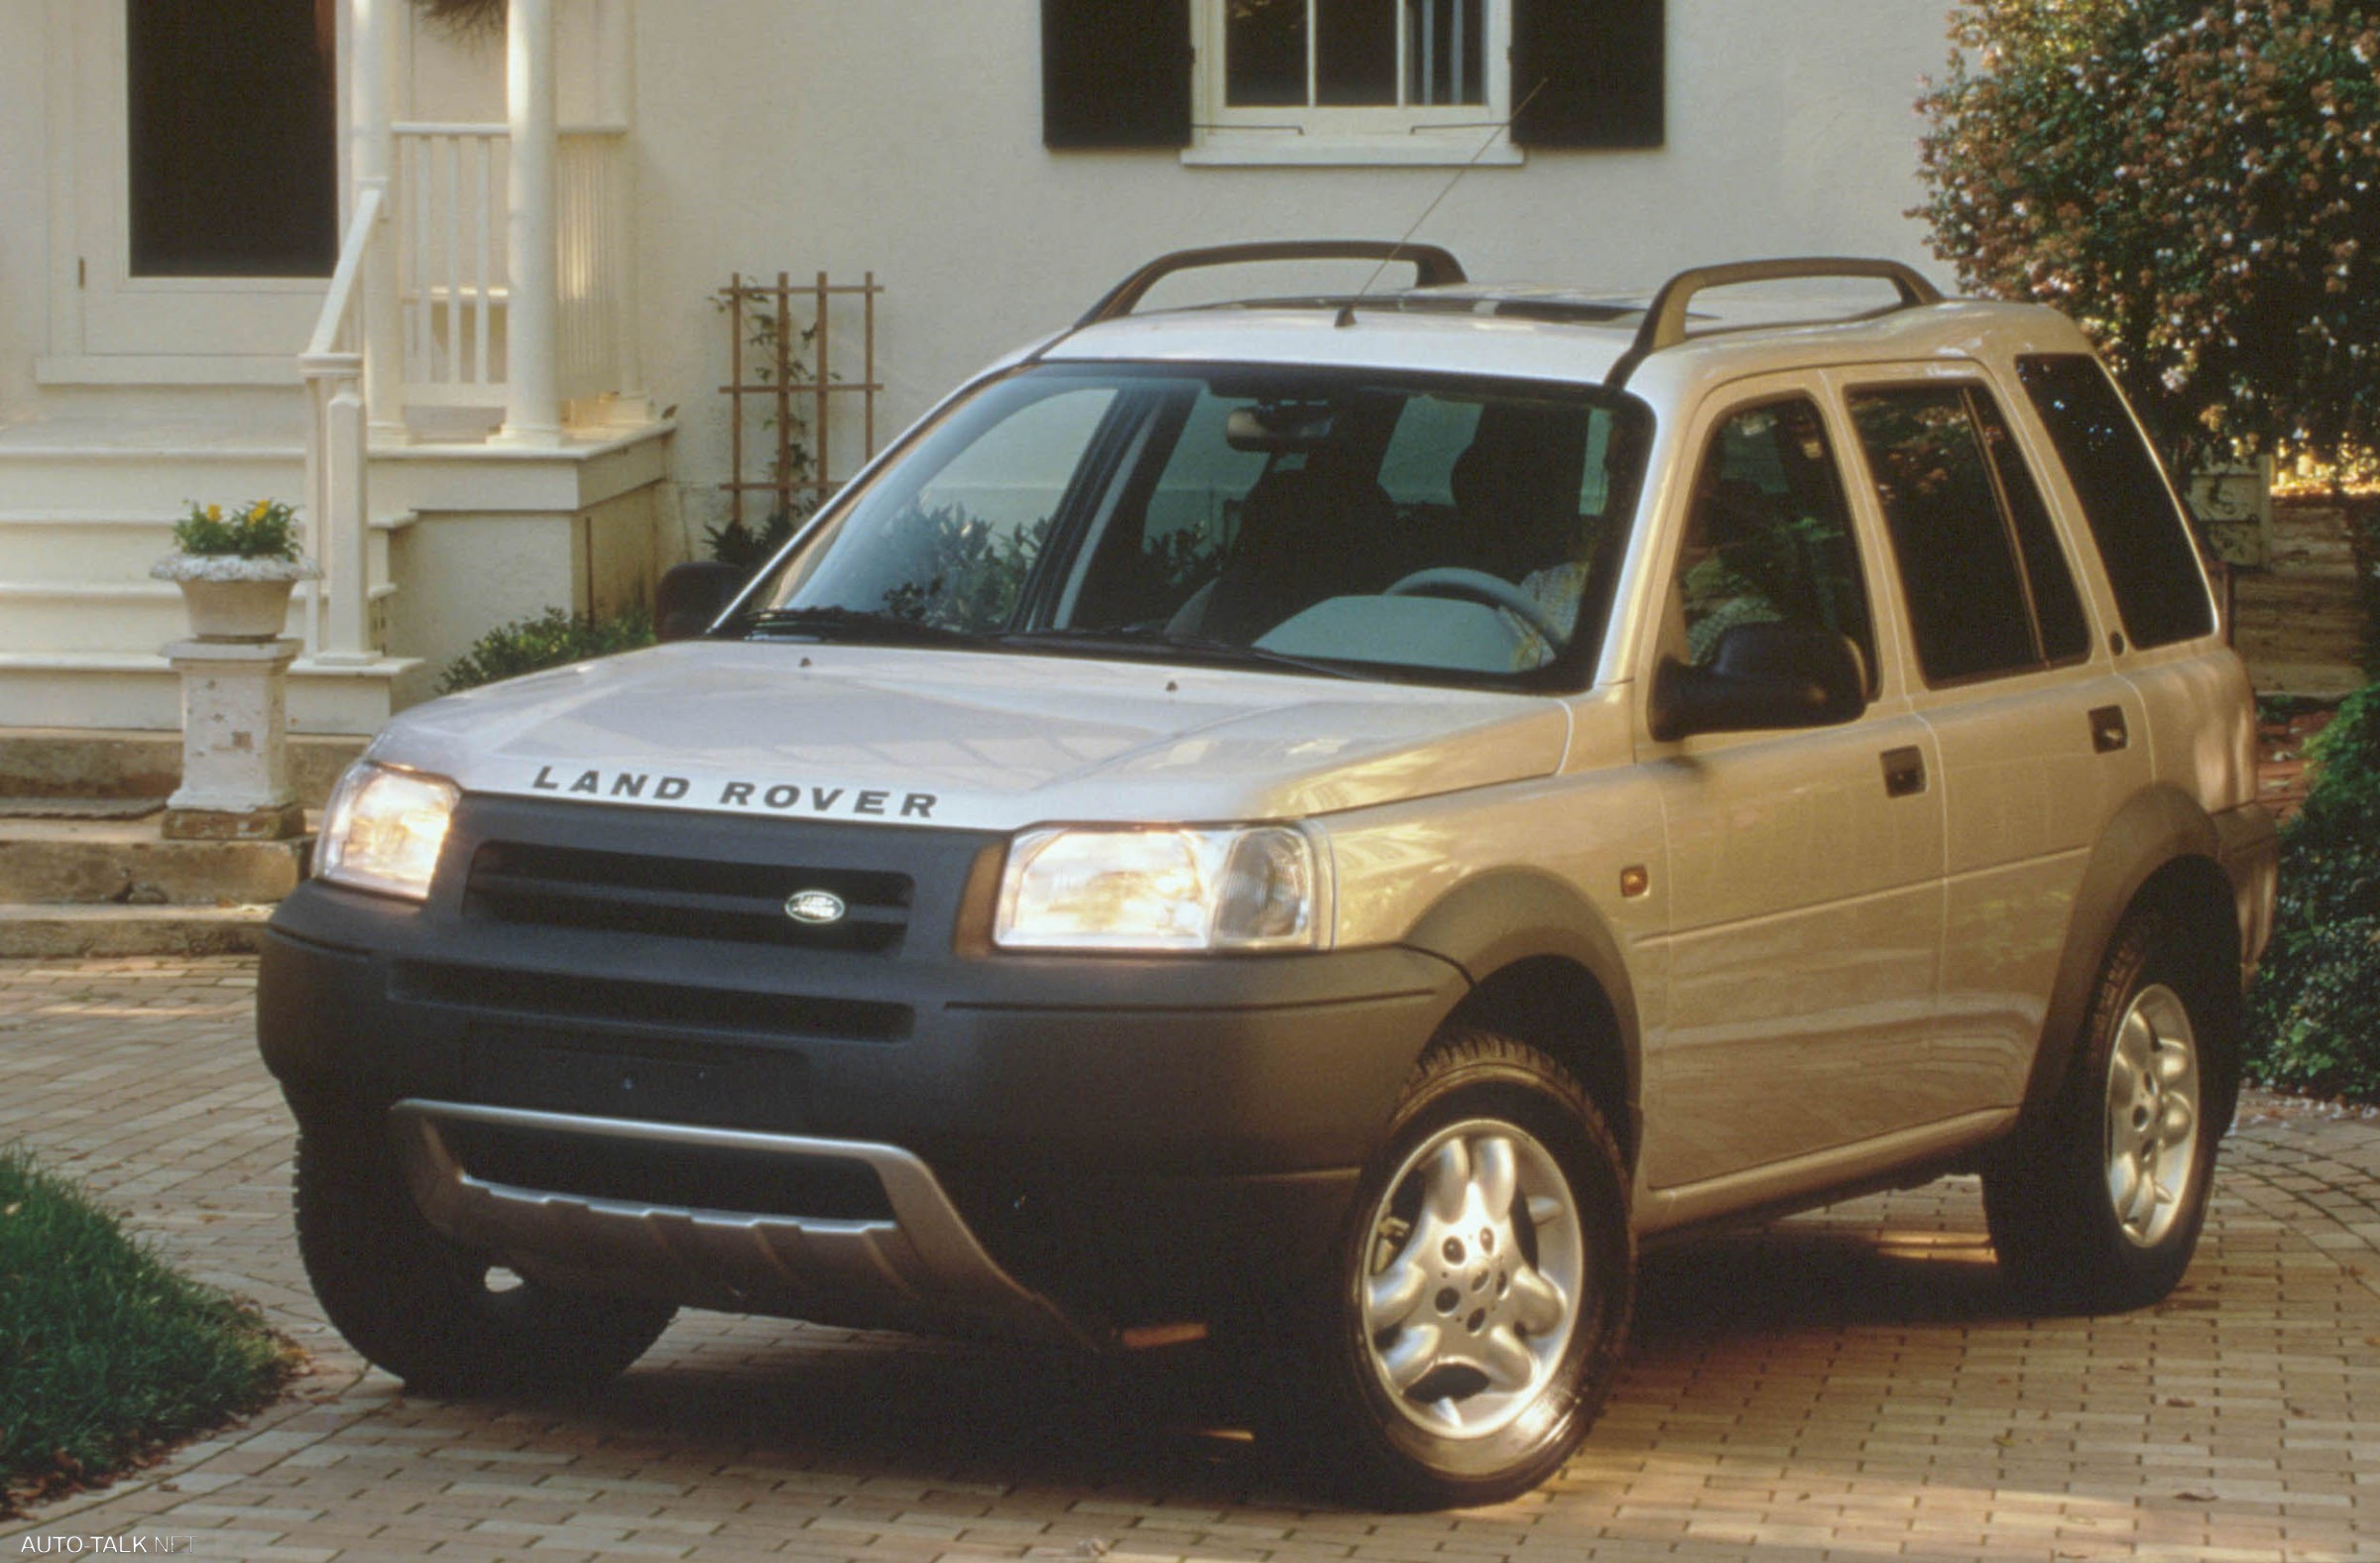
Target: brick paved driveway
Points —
{"points": [[1843, 1386]]}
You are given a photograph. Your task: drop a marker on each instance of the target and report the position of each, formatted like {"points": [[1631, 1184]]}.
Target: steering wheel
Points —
{"points": [[1448, 581]]}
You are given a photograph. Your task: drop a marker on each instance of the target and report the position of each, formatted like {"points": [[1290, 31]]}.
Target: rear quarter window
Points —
{"points": [[2143, 539]]}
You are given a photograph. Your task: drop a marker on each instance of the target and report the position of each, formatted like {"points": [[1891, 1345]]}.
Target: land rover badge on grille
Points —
{"points": [[814, 905]]}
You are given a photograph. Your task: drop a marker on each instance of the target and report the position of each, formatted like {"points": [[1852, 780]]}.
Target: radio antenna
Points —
{"points": [[1347, 312]]}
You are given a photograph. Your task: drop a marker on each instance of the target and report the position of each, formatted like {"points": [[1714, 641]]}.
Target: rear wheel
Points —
{"points": [[439, 1315], [2099, 1204], [1477, 1313]]}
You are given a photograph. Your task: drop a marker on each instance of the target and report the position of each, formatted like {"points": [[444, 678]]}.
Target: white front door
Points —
{"points": [[202, 152]]}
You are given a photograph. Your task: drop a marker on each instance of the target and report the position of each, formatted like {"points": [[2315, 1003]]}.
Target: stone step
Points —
{"points": [[99, 547], [111, 616], [137, 690], [83, 546], [70, 763], [128, 863], [95, 467], [65, 932], [37, 475]]}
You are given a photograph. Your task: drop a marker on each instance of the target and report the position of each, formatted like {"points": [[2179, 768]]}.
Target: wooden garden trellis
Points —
{"points": [[786, 350]]}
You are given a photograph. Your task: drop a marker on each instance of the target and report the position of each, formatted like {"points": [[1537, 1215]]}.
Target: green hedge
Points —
{"points": [[2315, 1012], [105, 1351], [551, 639]]}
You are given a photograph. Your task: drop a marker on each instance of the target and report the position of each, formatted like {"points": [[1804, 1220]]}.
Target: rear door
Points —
{"points": [[2040, 740]]}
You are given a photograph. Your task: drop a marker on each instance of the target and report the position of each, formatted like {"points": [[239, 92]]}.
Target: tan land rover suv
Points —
{"points": [[1330, 819]]}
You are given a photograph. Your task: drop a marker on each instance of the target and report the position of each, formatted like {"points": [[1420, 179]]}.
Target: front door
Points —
{"points": [[1805, 865], [204, 159]]}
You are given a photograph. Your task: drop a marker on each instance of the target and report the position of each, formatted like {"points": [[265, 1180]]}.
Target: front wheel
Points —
{"points": [[2098, 1205], [422, 1306], [1477, 1311]]}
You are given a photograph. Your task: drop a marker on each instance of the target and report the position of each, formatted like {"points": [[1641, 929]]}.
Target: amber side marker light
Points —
{"points": [[1143, 1337]]}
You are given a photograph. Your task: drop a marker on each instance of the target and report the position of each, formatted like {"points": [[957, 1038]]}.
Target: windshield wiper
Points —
{"points": [[1161, 643], [865, 626]]}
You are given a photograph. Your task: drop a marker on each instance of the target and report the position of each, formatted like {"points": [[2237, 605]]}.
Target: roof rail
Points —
{"points": [[1433, 266], [1665, 318]]}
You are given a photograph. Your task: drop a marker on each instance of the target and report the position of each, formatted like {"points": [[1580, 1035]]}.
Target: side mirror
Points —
{"points": [[1765, 676], [691, 596]]}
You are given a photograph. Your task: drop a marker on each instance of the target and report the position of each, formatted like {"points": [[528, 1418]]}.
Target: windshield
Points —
{"points": [[1350, 522]]}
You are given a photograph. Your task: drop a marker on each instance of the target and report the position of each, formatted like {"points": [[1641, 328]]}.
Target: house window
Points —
{"points": [[1350, 81]]}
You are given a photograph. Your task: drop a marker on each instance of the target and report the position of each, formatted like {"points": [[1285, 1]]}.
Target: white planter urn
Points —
{"points": [[232, 599]]}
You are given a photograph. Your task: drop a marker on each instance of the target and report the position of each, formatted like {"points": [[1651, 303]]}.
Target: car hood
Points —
{"points": [[972, 740]]}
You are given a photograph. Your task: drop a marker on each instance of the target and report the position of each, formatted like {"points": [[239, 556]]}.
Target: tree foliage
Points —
{"points": [[2198, 184]]}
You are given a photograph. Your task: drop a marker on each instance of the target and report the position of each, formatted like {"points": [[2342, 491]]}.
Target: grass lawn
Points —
{"points": [[108, 1354]]}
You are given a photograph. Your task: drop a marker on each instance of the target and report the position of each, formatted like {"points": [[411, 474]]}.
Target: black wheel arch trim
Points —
{"points": [[2158, 827], [1499, 920]]}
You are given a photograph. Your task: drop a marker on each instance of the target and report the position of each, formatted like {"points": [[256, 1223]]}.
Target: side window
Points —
{"points": [[2057, 605], [2143, 540], [1978, 556], [1768, 537]]}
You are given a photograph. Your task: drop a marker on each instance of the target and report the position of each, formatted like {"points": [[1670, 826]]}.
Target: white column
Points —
{"points": [[532, 413], [373, 37], [620, 108]]}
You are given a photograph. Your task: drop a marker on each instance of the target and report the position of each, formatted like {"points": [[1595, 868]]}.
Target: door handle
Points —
{"points": [[2107, 730], [1904, 772]]}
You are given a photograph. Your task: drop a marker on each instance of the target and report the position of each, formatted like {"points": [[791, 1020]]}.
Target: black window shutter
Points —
{"points": [[1116, 73], [1597, 68]]}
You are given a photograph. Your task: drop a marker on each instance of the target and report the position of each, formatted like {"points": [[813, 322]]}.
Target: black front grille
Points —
{"points": [[684, 897], [669, 1007], [672, 1173]]}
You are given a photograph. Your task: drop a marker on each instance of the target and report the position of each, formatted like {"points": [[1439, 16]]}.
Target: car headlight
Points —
{"points": [[383, 828], [1247, 888]]}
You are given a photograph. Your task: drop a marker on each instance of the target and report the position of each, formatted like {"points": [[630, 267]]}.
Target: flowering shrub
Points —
{"points": [[2198, 184], [265, 529]]}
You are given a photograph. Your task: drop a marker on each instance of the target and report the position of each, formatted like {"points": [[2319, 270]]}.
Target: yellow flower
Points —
{"points": [[257, 514], [214, 513]]}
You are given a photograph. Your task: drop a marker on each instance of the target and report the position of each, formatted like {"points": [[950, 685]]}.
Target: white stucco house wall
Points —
{"points": [[476, 437]]}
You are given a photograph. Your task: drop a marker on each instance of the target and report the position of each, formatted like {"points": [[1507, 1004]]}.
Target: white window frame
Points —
{"points": [[1444, 135]]}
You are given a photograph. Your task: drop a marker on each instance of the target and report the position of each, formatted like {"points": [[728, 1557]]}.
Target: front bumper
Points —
{"points": [[1119, 1139], [913, 1263]]}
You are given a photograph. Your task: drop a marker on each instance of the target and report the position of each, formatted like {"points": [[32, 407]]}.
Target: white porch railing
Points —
{"points": [[455, 285], [336, 609], [452, 283]]}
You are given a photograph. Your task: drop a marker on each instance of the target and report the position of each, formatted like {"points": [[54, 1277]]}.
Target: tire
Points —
{"points": [[2097, 1206], [1475, 1311], [421, 1305]]}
